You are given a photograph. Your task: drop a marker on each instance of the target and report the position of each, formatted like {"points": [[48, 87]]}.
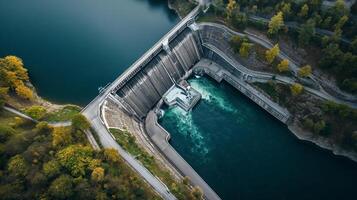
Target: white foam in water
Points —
{"points": [[185, 123], [187, 127], [210, 94]]}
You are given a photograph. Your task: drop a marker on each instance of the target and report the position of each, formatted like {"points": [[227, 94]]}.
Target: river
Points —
{"points": [[243, 152]]}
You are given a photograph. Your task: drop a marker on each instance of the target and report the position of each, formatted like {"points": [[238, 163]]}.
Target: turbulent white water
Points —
{"points": [[185, 123], [188, 128], [210, 94]]}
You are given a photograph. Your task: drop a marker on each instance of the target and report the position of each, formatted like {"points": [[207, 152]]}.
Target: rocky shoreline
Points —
{"points": [[321, 142]]}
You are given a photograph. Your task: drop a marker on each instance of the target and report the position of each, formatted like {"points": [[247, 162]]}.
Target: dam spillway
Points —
{"points": [[139, 91], [172, 62]]}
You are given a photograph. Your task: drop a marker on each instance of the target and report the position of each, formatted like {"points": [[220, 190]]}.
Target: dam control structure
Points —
{"points": [[188, 48]]}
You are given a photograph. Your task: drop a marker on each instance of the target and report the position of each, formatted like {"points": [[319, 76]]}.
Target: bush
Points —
{"points": [[36, 112], [80, 122], [61, 188]]}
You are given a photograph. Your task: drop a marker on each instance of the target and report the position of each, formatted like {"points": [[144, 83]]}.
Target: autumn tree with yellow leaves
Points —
{"points": [[305, 71], [283, 66], [245, 49], [231, 6], [304, 11], [97, 174], [13, 75], [272, 53], [296, 89], [276, 23]]}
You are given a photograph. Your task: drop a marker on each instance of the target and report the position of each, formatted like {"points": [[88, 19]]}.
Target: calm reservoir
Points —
{"points": [[73, 47]]}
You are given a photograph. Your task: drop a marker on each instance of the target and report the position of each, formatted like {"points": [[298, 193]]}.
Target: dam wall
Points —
{"points": [[146, 86]]}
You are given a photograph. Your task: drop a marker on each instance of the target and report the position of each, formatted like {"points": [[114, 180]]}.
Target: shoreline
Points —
{"points": [[321, 142]]}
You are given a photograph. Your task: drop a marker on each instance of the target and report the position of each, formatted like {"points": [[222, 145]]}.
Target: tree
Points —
{"points": [[283, 66], [97, 174], [61, 187], [16, 65], [13, 74], [17, 166], [3, 95], [80, 122], [232, 5], [272, 53], [354, 45], [19, 121], [304, 11], [276, 23], [341, 22], [61, 136], [111, 155], [286, 9], [330, 56], [315, 4], [240, 20], [319, 126], [327, 22], [4, 92], [235, 43], [24, 92], [244, 49], [339, 9], [36, 112], [306, 32], [43, 127], [308, 123], [296, 89], [51, 168], [305, 71], [6, 132], [76, 159], [196, 193]]}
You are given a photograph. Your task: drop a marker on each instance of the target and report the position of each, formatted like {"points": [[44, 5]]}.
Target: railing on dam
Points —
{"points": [[281, 114], [156, 49]]}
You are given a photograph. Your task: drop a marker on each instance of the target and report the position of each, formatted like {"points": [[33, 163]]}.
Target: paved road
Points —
{"points": [[23, 115], [92, 112], [295, 25], [20, 114], [294, 67]]}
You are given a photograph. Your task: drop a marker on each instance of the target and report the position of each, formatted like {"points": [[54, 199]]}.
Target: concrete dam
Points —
{"points": [[175, 59], [137, 94], [172, 62]]}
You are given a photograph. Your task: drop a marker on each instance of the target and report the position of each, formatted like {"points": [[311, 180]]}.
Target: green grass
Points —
{"points": [[127, 141], [64, 114]]}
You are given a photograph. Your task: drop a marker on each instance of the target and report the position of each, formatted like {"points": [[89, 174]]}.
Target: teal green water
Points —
{"points": [[244, 153], [72, 47]]}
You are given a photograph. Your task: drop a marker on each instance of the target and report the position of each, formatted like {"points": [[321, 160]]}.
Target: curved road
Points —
{"points": [[263, 75]]}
